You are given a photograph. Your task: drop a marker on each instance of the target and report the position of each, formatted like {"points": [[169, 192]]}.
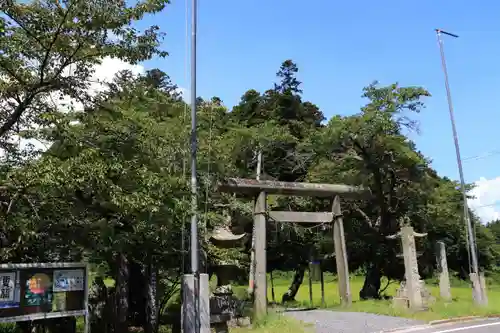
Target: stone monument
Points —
{"points": [[412, 292], [444, 277]]}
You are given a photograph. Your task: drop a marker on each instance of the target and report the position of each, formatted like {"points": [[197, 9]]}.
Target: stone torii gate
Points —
{"points": [[259, 189]]}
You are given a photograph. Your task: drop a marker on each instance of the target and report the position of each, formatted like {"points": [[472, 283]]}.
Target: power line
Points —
{"points": [[487, 205], [482, 156]]}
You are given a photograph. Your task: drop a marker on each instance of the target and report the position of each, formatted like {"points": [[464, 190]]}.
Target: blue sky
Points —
{"points": [[340, 47]]}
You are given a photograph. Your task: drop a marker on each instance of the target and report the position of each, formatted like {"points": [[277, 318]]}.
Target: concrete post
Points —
{"points": [[444, 277], [484, 294], [190, 304], [260, 287], [204, 303], [477, 294], [341, 254]]}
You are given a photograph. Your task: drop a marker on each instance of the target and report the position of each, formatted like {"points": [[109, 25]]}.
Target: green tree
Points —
{"points": [[116, 170], [494, 226], [283, 108], [370, 149], [66, 39], [276, 122]]}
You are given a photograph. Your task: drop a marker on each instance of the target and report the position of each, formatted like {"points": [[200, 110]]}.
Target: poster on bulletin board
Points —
{"points": [[9, 295], [69, 280], [43, 291]]}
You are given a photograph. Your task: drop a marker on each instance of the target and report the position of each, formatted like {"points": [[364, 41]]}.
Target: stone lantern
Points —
{"points": [[222, 303]]}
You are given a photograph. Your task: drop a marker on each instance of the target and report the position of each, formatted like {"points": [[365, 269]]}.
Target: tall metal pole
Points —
{"points": [[195, 304], [194, 185], [470, 233]]}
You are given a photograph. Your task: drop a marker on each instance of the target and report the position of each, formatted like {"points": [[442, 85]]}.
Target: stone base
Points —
{"points": [[401, 302], [221, 327], [240, 322], [220, 318], [427, 298], [401, 299]]}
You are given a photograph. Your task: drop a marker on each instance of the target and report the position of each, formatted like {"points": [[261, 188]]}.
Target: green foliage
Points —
{"points": [[276, 322], [8, 328], [113, 186], [66, 40]]}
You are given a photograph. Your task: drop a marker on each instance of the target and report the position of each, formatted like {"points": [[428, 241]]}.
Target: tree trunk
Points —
{"points": [[371, 286], [100, 312], [137, 304], [294, 287], [151, 296], [122, 280], [24, 327], [61, 325]]}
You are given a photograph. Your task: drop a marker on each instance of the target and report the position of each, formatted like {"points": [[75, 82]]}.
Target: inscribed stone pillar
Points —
{"points": [[411, 267], [412, 278], [260, 287], [341, 254], [444, 277]]}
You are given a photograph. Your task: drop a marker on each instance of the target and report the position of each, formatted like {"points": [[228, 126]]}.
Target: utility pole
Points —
{"points": [[195, 302], [251, 277], [194, 148], [472, 242]]}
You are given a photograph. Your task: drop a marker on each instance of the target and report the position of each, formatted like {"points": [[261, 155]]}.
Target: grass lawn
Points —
{"points": [[461, 305], [275, 323]]}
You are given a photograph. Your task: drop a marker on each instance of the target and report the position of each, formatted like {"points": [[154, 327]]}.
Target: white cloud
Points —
{"points": [[487, 202], [110, 66], [185, 94], [104, 73]]}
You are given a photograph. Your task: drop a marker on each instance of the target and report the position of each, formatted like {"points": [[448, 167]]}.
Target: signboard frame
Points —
{"points": [[56, 314]]}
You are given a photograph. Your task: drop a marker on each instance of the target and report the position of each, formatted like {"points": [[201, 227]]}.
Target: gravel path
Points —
{"points": [[351, 322]]}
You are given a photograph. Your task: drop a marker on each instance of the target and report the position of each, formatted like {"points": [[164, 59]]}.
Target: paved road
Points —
{"points": [[476, 326], [325, 321], [358, 322]]}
